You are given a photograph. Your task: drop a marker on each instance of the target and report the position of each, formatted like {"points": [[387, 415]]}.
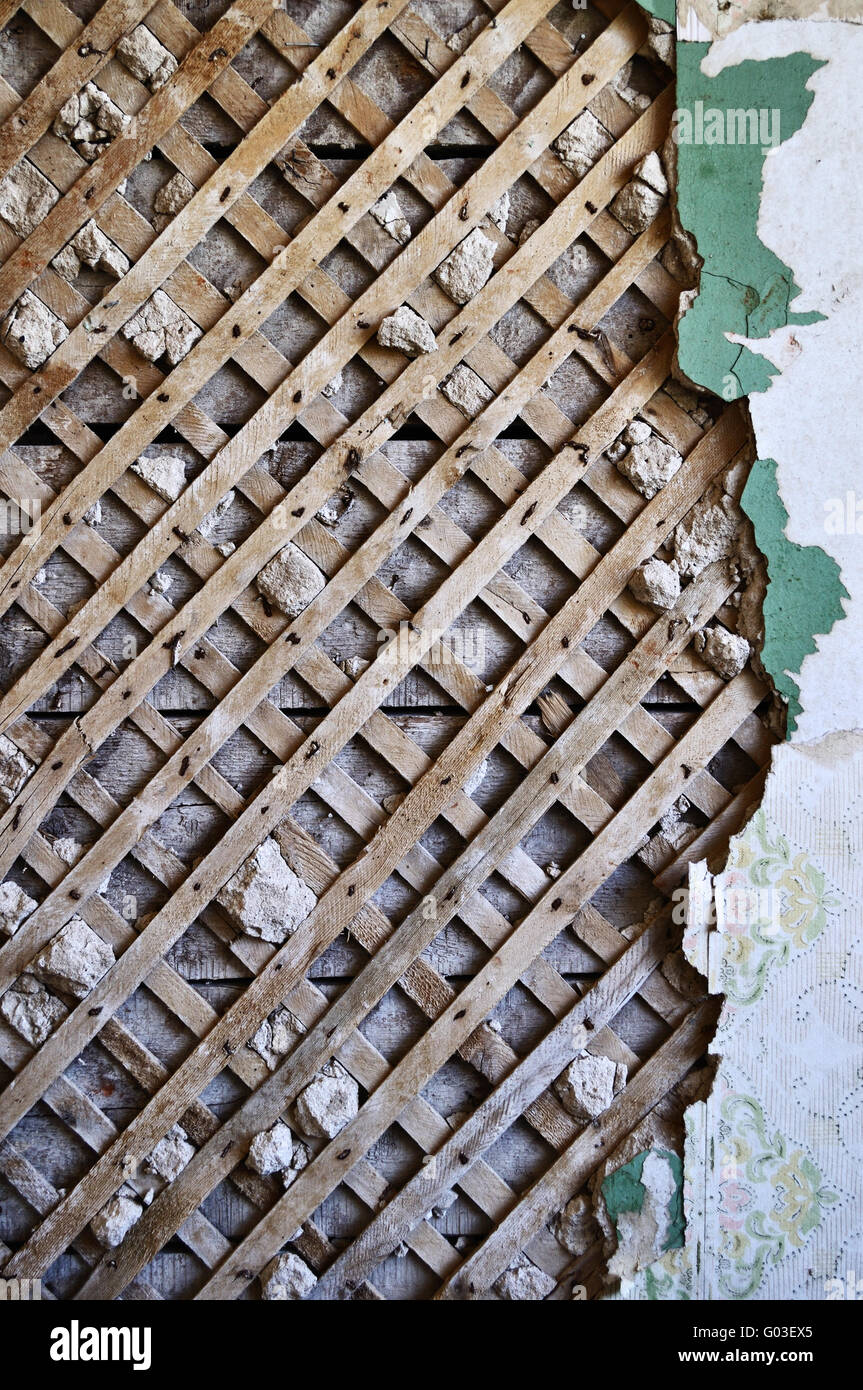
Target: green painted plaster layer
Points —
{"points": [[623, 1191], [663, 9], [745, 288], [805, 593]]}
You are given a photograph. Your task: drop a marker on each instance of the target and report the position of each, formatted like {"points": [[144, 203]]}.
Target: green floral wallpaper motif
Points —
{"points": [[776, 901], [773, 1195], [760, 1177]]}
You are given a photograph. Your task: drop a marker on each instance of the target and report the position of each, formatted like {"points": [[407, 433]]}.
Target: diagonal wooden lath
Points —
{"points": [[551, 644]]}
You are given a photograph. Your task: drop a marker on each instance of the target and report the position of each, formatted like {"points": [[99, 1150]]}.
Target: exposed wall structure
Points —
{"points": [[370, 683], [377, 630]]}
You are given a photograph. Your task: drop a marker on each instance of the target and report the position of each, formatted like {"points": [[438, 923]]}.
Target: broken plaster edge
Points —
{"points": [[776, 965]]}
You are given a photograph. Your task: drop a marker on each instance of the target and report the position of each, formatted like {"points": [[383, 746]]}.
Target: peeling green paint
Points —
{"points": [[805, 593], [745, 288], [623, 1191], [663, 9]]}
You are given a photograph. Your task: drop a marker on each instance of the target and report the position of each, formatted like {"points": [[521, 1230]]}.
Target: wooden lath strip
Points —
{"points": [[421, 983], [336, 907], [570, 1171], [77, 64], [42, 1196], [214, 51], [375, 425], [286, 271], [536, 930], [351, 576], [452, 1024], [385, 673], [503, 1107]]}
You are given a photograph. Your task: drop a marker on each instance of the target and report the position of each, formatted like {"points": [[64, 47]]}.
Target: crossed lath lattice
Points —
{"points": [[553, 769]]}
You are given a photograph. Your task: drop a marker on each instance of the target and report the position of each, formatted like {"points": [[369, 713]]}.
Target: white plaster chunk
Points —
{"points": [[443, 1204], [460, 40], [661, 41], [15, 905], [98, 251], [466, 269], [649, 463], [673, 826], [583, 143], [575, 1227], [165, 474], [301, 1159], [291, 580], [651, 172], [31, 1010], [162, 327], [587, 1086], [335, 507], [467, 390], [272, 1151], [656, 584], [212, 519], [456, 1118], [26, 198], [68, 849], [112, 1224], [265, 898], [524, 1282], [407, 332], [75, 960], [388, 214], [147, 58], [171, 1154], [476, 779], [31, 331], [727, 652], [15, 768], [532, 225], [706, 534], [66, 263], [328, 1103], [160, 582], [639, 101], [173, 196], [638, 204], [333, 387], [499, 211], [89, 120], [277, 1036], [286, 1277]]}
